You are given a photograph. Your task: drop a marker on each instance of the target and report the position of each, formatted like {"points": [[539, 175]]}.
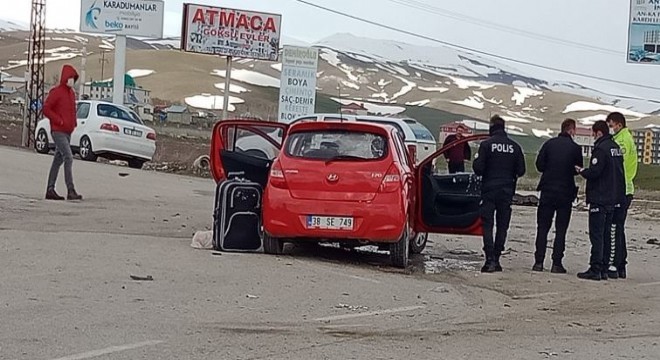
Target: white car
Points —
{"points": [[418, 139], [105, 130]]}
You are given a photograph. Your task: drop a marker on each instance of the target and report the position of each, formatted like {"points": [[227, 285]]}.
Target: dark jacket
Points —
{"points": [[60, 106], [458, 153], [500, 162], [556, 161], [606, 184]]}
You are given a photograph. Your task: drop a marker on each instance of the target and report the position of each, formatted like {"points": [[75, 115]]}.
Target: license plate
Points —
{"points": [[329, 222], [132, 132]]}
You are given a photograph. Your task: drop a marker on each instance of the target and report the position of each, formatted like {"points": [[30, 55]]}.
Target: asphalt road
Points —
{"points": [[66, 291]]}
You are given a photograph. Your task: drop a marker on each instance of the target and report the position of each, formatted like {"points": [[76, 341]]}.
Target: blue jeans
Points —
{"points": [[64, 156]]}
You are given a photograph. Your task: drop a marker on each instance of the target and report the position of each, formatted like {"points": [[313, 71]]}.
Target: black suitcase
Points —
{"points": [[237, 216]]}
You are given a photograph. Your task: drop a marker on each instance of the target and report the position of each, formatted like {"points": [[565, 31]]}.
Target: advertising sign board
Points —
{"points": [[230, 32], [123, 17], [298, 82]]}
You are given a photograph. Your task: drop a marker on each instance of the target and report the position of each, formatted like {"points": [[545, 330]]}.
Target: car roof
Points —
{"points": [[340, 125]]}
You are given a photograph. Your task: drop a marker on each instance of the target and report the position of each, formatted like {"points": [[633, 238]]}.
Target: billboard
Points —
{"points": [[123, 17], [297, 82], [230, 32], [644, 32]]}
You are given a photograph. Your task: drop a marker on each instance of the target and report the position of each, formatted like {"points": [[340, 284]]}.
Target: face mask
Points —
{"points": [[70, 82]]}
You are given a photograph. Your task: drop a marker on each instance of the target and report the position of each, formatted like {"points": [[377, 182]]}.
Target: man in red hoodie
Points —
{"points": [[60, 109]]}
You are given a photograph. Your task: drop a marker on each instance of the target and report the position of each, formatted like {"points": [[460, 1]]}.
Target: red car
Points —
{"points": [[346, 182]]}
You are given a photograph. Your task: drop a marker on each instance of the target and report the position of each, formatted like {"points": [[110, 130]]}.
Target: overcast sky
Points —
{"points": [[600, 23]]}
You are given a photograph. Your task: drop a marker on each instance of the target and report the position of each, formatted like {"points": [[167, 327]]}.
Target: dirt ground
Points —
{"points": [[66, 291]]}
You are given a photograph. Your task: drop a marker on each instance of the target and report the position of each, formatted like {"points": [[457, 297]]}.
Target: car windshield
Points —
{"points": [[420, 131], [115, 112], [334, 145]]}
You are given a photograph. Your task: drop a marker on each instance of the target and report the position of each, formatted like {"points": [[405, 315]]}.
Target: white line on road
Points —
{"points": [[370, 313], [650, 284], [110, 350]]}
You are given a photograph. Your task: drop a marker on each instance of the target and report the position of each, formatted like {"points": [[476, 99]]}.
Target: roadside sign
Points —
{"points": [[230, 32], [297, 82], [644, 32], [123, 17]]}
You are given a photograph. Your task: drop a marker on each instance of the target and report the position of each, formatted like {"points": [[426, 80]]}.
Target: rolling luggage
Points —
{"points": [[237, 216]]}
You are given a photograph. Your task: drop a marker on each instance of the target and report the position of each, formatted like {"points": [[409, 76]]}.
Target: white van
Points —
{"points": [[418, 138]]}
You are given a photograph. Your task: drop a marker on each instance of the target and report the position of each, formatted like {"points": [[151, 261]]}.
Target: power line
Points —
{"points": [[471, 50], [489, 24]]}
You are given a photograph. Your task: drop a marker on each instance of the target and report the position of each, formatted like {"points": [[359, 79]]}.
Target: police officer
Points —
{"points": [[556, 161], [624, 138], [500, 162], [605, 190]]}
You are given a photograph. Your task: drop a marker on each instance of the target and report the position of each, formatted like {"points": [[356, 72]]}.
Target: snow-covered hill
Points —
{"points": [[388, 77]]}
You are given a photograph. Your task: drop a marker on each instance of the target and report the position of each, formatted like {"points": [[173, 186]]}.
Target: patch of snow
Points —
{"points": [[139, 72], [236, 89], [374, 108], [418, 74], [433, 89], [349, 84], [491, 100], [515, 128], [6, 25], [516, 132], [54, 57], [175, 43], [383, 95], [522, 93], [409, 85], [277, 67], [383, 83], [400, 70], [386, 68], [523, 115], [589, 106], [359, 57], [651, 126], [244, 61], [476, 125], [472, 102], [212, 102], [250, 77], [62, 39], [590, 120], [419, 103], [515, 119], [107, 45], [58, 50], [330, 56], [547, 133]]}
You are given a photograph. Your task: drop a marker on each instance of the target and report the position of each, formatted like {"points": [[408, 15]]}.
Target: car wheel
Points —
{"points": [[418, 243], [41, 142], [272, 245], [399, 252], [135, 163], [86, 151]]}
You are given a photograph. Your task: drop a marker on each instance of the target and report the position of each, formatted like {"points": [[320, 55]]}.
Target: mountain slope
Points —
{"points": [[389, 77]]}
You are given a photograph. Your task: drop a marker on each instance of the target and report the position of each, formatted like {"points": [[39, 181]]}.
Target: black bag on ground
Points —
{"points": [[237, 216]]}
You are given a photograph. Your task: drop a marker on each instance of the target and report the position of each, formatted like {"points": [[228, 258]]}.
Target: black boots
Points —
{"points": [[592, 274], [73, 195], [52, 195], [622, 272], [538, 266], [558, 268], [492, 265]]}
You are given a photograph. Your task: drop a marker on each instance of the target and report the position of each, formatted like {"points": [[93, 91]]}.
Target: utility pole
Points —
{"points": [[103, 61], [83, 67], [34, 72]]}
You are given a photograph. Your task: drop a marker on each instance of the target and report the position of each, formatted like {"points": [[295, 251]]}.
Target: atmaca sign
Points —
{"points": [[230, 32]]}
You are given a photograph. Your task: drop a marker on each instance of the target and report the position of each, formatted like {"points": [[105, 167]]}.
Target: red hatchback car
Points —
{"points": [[346, 182]]}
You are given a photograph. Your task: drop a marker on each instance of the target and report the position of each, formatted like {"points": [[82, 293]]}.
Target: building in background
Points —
{"points": [[178, 114], [648, 145], [354, 109], [135, 97]]}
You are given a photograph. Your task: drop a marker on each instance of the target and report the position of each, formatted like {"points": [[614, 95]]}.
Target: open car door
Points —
{"points": [[447, 203], [246, 148]]}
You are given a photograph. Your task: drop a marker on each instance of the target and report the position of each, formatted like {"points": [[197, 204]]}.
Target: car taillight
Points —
{"points": [[391, 181], [110, 127], [151, 136], [412, 150], [277, 176]]}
